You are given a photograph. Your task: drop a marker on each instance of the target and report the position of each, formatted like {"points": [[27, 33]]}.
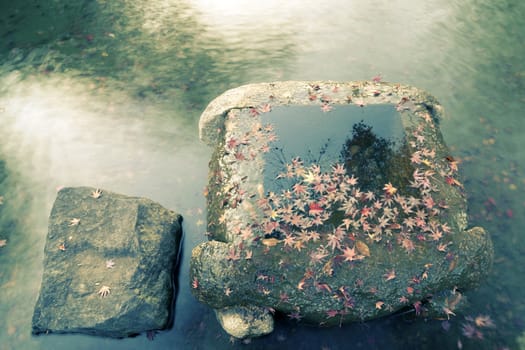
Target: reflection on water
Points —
{"points": [[339, 136], [108, 93]]}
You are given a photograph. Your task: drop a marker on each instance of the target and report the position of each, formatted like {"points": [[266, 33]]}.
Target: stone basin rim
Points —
{"points": [[295, 92]]}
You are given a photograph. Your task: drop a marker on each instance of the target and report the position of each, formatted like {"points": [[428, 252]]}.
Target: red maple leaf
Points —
{"points": [[315, 209], [332, 313]]}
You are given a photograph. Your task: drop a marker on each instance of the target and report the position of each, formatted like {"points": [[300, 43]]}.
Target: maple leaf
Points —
{"points": [[338, 169], [299, 188], [408, 245], [365, 212], [233, 255], [74, 222], [442, 247], [265, 108], [314, 236], [319, 187], [390, 275], [377, 78], [370, 196], [484, 321], [232, 143], [318, 255], [436, 235], [301, 283], [333, 241], [332, 313], [351, 255], [428, 202], [389, 189], [315, 209], [304, 235], [289, 240], [380, 304], [299, 245], [295, 316], [352, 181], [309, 177], [296, 220], [471, 332], [416, 157], [326, 107], [270, 226], [383, 221]]}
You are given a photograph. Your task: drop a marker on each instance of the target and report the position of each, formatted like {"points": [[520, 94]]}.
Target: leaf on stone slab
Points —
{"points": [[362, 248]]}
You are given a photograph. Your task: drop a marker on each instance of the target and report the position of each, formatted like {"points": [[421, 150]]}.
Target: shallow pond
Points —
{"points": [[108, 94]]}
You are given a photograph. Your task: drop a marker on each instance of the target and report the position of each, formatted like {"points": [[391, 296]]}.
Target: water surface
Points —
{"points": [[108, 94]]}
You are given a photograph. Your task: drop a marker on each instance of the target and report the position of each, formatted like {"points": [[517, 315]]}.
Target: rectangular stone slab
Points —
{"points": [[108, 266]]}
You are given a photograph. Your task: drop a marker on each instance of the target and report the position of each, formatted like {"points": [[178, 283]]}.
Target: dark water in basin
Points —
{"points": [[108, 94]]}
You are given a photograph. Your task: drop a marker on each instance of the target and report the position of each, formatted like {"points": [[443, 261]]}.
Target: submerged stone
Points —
{"points": [[245, 321], [332, 203], [109, 265]]}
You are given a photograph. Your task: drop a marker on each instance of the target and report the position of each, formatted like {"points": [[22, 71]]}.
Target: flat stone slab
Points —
{"points": [[334, 202], [109, 265]]}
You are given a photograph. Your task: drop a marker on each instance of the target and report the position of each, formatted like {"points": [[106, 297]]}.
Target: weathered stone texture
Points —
{"points": [[404, 245], [127, 244]]}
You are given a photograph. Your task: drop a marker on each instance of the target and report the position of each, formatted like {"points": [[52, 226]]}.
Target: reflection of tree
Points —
{"points": [[375, 160], [278, 158]]}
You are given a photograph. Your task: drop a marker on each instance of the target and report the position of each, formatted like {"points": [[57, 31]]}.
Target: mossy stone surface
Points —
{"points": [[373, 228]]}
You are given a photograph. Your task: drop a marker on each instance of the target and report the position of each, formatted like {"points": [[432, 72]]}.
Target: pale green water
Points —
{"points": [[108, 94]]}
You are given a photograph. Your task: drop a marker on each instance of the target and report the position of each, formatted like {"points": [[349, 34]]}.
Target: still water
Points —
{"points": [[108, 94]]}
